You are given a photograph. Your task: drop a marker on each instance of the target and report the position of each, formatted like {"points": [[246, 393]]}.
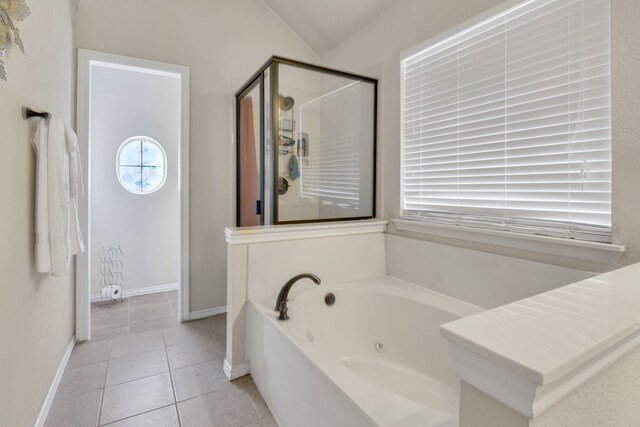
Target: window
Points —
{"points": [[141, 165], [507, 123]]}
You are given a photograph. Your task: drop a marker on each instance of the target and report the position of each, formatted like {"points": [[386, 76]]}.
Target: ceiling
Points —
{"points": [[324, 24]]}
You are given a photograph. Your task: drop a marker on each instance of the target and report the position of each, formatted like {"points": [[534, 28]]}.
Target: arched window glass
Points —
{"points": [[141, 165]]}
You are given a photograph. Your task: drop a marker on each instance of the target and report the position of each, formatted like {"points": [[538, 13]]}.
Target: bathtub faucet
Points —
{"points": [[281, 302]]}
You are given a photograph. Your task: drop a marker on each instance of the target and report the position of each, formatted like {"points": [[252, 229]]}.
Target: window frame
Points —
{"points": [[142, 139]]}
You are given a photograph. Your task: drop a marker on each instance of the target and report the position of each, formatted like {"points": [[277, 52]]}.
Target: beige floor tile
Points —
{"points": [[147, 312], [255, 424], [188, 331], [160, 297], [109, 306], [256, 398], [173, 296], [113, 319], [227, 407], [77, 411], [153, 325], [136, 343], [196, 380], [163, 417], [269, 422], [193, 352], [105, 333], [136, 397], [175, 309], [218, 323], [136, 366], [221, 338], [90, 352], [82, 379]]}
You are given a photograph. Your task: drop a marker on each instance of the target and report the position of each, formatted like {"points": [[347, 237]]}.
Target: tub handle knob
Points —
{"points": [[283, 311]]}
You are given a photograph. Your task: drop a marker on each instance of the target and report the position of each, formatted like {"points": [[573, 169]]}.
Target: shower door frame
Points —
{"points": [[272, 65], [256, 80]]}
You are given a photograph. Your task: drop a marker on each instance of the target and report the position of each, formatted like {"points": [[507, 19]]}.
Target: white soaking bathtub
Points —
{"points": [[374, 358]]}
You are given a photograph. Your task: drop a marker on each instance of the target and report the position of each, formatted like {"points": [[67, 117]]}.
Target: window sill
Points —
{"points": [[603, 253]]}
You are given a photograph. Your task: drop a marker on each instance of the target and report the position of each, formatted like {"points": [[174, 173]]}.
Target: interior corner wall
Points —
{"points": [[36, 311], [223, 43], [376, 49]]}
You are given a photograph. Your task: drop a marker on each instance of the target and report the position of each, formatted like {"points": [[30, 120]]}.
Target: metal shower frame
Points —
{"points": [[258, 79]]}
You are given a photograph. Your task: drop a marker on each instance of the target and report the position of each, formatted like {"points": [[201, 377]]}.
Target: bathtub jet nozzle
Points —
{"points": [[283, 296]]}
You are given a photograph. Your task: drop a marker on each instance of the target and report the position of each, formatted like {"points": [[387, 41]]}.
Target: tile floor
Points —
{"points": [[133, 315], [163, 377]]}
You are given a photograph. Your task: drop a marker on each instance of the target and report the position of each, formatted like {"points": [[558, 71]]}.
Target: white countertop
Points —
{"points": [[562, 336]]}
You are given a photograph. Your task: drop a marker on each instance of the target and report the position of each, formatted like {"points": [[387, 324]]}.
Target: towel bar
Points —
{"points": [[28, 113]]}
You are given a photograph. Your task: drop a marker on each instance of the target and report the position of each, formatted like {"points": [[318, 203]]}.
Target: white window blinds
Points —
{"points": [[507, 124]]}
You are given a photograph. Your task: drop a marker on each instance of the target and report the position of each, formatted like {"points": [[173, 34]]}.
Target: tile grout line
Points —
{"points": [[253, 404], [129, 316], [133, 416], [104, 384], [137, 379], [173, 388], [173, 315]]}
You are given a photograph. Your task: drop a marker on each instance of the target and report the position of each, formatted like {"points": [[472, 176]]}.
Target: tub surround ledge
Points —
{"points": [[276, 233], [533, 353]]}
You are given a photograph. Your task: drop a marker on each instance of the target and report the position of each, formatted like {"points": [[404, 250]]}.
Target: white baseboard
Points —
{"points": [[126, 293], [236, 371], [46, 405], [208, 312]]}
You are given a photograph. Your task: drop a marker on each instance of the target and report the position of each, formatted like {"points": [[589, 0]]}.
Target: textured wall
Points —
{"points": [[125, 104], [376, 49], [609, 399], [223, 42], [36, 312]]}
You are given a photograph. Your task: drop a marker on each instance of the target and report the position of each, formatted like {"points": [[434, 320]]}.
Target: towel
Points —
{"points": [[38, 138], [59, 184], [294, 169]]}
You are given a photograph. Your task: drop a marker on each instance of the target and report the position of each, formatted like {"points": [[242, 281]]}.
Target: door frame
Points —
{"points": [[86, 60]]}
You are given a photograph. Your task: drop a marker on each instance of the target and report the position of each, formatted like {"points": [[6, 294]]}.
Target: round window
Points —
{"points": [[141, 165]]}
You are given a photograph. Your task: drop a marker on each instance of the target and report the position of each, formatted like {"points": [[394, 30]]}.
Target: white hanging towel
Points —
{"points": [[39, 135], [59, 184]]}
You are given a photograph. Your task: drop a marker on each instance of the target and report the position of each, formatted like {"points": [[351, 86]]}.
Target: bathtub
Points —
{"points": [[374, 358]]}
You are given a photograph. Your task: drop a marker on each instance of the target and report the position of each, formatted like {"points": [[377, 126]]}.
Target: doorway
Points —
{"points": [[132, 126]]}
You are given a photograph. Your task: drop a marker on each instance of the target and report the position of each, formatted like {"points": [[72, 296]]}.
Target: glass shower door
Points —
{"points": [[250, 156], [325, 146]]}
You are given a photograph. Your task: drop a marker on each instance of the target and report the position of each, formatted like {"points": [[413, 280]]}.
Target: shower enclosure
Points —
{"points": [[306, 145]]}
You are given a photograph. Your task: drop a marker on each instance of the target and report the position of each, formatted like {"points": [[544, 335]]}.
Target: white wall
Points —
{"points": [[223, 42], [608, 399], [126, 103], [376, 49], [36, 311], [484, 279]]}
